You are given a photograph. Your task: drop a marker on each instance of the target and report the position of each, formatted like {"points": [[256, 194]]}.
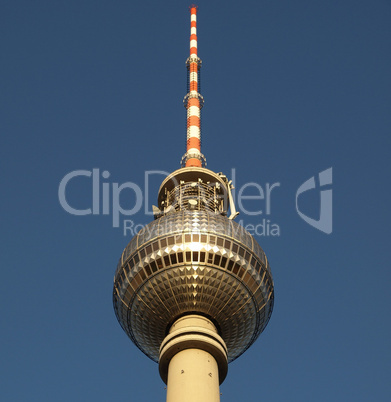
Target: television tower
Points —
{"points": [[193, 289]]}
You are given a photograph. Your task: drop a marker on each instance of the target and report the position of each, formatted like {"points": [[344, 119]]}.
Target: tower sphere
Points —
{"points": [[193, 260]]}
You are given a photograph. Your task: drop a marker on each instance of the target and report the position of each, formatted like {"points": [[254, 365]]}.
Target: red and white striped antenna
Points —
{"points": [[193, 101]]}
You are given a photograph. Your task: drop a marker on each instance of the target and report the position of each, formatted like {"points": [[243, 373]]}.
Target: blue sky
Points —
{"points": [[291, 89]]}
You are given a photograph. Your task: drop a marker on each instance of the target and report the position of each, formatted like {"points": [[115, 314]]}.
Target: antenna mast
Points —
{"points": [[193, 101]]}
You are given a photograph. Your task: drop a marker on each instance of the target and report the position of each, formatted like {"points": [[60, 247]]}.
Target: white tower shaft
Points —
{"points": [[193, 376], [193, 361]]}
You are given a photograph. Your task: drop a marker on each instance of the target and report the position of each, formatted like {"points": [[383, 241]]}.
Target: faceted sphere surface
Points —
{"points": [[193, 262]]}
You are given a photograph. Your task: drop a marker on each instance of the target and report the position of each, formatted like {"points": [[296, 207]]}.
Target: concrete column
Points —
{"points": [[193, 361]]}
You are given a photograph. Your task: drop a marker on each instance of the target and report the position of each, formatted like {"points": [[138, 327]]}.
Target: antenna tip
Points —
{"points": [[193, 9]]}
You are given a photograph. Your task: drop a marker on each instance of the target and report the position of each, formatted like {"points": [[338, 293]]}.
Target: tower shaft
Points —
{"points": [[193, 360], [193, 377]]}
